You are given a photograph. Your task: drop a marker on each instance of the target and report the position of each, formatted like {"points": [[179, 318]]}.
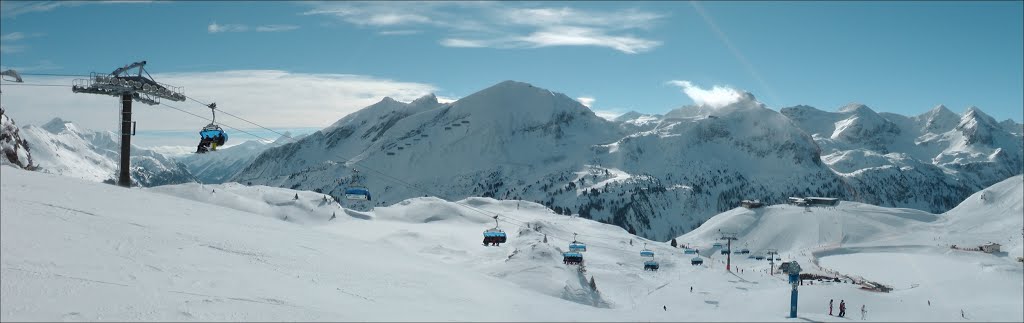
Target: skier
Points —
{"points": [[665, 307], [929, 302], [691, 289], [842, 308], [962, 313], [863, 311], [829, 301]]}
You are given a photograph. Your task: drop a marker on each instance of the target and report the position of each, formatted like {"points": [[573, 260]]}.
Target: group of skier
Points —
{"points": [[842, 309]]}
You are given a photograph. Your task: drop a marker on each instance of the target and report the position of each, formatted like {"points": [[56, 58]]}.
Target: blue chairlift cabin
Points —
{"points": [[716, 245], [696, 261], [356, 191], [651, 265], [577, 246], [646, 252], [211, 136], [689, 251], [494, 236], [572, 258]]}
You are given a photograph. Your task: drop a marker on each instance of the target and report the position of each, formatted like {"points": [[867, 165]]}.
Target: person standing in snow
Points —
{"points": [[863, 311], [665, 307], [842, 308], [691, 289], [829, 302]]}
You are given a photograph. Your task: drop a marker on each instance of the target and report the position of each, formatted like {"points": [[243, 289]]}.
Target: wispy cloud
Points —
{"points": [[505, 25], [17, 8], [587, 101], [11, 49], [9, 42], [214, 28], [399, 32], [274, 28], [717, 96], [15, 36], [10, 9]]}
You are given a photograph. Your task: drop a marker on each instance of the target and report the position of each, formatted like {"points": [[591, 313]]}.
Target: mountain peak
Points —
{"points": [[426, 99], [856, 108], [57, 125], [974, 112]]}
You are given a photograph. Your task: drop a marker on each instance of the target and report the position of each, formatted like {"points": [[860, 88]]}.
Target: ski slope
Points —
{"points": [[226, 252]]}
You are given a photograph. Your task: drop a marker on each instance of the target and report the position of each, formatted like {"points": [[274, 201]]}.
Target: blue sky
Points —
{"points": [[902, 57]]}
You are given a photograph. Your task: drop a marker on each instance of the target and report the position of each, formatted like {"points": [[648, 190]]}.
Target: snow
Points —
{"points": [[60, 147], [185, 252]]}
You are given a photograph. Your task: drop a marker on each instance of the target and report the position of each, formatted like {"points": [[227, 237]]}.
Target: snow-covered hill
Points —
{"points": [[196, 254], [60, 147], [225, 163], [15, 150], [930, 162]]}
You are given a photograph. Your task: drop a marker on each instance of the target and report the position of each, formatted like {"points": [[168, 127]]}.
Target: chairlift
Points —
{"points": [[356, 191], [572, 258], [391, 153], [651, 265], [211, 136], [696, 261], [689, 251], [494, 236], [577, 246], [716, 245], [646, 252]]}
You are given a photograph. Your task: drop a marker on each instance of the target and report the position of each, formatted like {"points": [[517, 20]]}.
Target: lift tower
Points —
{"points": [[771, 259], [728, 237], [129, 87]]}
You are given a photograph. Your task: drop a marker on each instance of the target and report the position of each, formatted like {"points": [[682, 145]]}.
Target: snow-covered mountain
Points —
{"points": [[659, 176], [219, 166], [929, 162], [633, 121], [15, 150], [60, 147], [236, 252]]}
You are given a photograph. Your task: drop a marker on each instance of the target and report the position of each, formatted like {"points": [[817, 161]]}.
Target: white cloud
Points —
{"points": [[15, 36], [399, 32], [217, 28], [500, 25], [17, 8], [456, 42], [10, 49], [586, 101], [267, 97], [444, 99], [580, 36], [717, 96], [9, 42], [275, 28]]}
